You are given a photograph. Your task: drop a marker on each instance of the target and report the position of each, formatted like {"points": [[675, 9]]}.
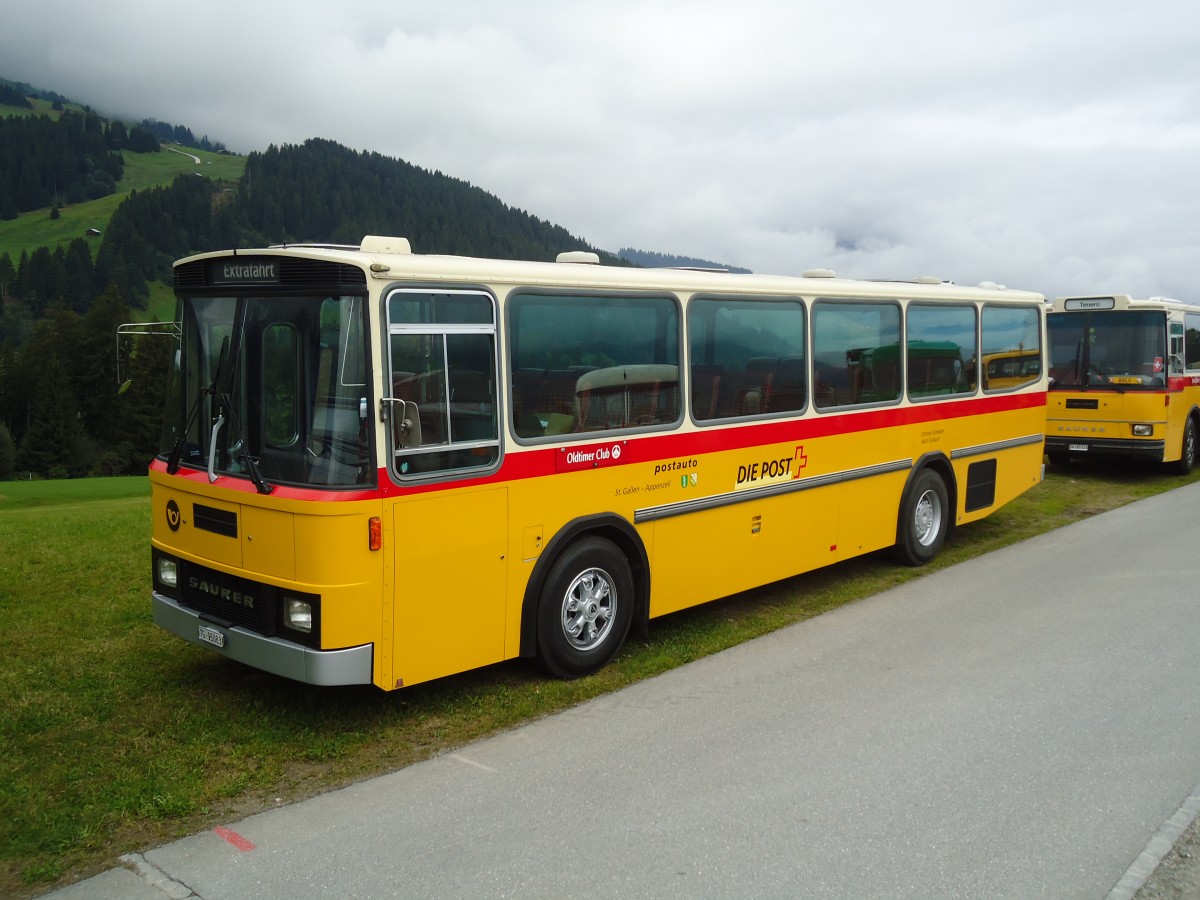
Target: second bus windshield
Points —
{"points": [[1117, 348]]}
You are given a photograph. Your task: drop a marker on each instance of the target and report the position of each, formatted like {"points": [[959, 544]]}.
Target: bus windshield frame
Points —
{"points": [[1115, 349], [273, 388]]}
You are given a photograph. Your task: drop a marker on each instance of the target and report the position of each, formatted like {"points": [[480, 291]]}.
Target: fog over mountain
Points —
{"points": [[1050, 146]]}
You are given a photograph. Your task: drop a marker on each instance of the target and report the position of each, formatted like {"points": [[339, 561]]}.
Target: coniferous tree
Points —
{"points": [[8, 206], [8, 383], [97, 372], [55, 445], [8, 454], [8, 275], [141, 406]]}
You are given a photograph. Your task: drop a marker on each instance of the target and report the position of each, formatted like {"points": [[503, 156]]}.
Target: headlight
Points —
{"points": [[297, 614], [168, 572], [1143, 430]]}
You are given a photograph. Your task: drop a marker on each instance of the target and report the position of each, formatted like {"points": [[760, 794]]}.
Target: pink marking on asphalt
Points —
{"points": [[233, 837]]}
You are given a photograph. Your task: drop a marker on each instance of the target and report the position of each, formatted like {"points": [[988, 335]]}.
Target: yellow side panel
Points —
{"points": [[705, 555], [450, 583], [870, 512], [1017, 470], [1177, 415]]}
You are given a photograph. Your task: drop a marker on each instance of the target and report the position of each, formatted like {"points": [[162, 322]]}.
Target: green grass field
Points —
{"points": [[117, 736]]}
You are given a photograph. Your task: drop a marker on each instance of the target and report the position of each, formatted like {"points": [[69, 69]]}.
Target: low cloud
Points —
{"points": [[1045, 146]]}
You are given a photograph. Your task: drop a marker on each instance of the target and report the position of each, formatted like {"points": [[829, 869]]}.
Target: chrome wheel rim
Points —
{"points": [[927, 518], [588, 609]]}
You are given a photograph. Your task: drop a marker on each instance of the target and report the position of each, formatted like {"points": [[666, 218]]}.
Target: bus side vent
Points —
{"points": [[981, 485], [190, 275], [302, 272]]}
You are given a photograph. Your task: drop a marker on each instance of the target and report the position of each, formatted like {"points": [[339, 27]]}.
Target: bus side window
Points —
{"points": [[1191, 342], [1012, 348], [941, 341], [748, 357], [593, 362], [857, 347], [442, 355]]}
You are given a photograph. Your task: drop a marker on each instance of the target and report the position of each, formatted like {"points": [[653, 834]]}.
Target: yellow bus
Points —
{"points": [[1125, 380], [384, 467]]}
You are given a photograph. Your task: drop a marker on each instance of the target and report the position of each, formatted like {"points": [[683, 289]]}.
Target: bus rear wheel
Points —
{"points": [[585, 608], [924, 519]]}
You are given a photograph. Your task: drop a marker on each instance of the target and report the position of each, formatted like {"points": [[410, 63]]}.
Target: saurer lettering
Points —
{"points": [[221, 592]]}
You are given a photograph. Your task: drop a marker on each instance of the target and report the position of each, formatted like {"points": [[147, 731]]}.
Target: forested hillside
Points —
{"points": [[651, 260], [60, 413], [48, 162]]}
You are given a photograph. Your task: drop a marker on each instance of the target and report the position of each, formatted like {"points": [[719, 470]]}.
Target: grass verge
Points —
{"points": [[117, 736]]}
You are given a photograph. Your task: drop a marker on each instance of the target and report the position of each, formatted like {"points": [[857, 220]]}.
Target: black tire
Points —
{"points": [[1187, 450], [1059, 459], [924, 519], [585, 608]]}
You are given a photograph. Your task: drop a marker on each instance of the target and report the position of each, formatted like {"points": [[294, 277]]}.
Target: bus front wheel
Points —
{"points": [[924, 519], [1187, 450], [585, 608]]}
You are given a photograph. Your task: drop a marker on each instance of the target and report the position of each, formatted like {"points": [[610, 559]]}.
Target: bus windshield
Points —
{"points": [[272, 389], [1119, 349]]}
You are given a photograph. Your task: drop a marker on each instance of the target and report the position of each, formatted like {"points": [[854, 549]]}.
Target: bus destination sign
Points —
{"points": [[1082, 303], [244, 270]]}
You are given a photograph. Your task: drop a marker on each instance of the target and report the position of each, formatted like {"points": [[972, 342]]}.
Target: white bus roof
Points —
{"points": [[391, 258]]}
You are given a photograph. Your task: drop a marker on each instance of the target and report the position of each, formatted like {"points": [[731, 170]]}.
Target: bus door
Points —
{"points": [[450, 583], [450, 534]]}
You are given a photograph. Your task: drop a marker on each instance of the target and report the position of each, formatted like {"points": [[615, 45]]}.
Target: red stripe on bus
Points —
{"points": [[636, 449]]}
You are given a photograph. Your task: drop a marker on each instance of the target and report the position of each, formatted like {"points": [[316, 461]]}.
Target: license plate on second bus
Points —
{"points": [[211, 636], [1079, 447]]}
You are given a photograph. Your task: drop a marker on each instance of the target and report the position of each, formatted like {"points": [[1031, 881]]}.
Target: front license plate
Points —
{"points": [[1082, 448], [212, 636]]}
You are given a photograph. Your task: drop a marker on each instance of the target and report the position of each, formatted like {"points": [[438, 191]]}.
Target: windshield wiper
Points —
{"points": [[223, 413], [209, 390], [235, 428]]}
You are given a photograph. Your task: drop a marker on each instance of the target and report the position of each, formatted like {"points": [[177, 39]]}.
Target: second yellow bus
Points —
{"points": [[1125, 380]]}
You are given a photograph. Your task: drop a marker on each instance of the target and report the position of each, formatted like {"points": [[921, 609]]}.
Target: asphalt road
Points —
{"points": [[1021, 725]]}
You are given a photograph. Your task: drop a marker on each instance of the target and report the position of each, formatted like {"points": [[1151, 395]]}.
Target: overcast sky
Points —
{"points": [[1052, 145]]}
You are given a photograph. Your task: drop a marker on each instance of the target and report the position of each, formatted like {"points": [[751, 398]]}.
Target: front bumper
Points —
{"points": [[353, 665], [1107, 447]]}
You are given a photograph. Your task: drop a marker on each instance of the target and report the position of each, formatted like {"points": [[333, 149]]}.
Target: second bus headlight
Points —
{"points": [[1143, 430], [297, 614]]}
